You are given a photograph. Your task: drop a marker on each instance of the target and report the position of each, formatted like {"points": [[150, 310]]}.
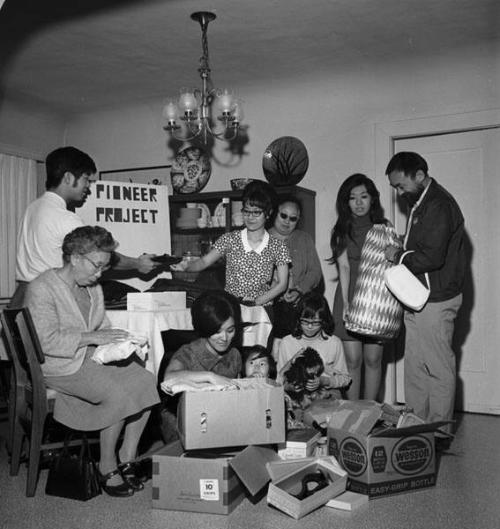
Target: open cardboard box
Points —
{"points": [[381, 460], [252, 415], [205, 481], [287, 481]]}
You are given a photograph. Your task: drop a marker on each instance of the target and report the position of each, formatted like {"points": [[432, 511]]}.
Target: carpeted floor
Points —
{"points": [[466, 496]]}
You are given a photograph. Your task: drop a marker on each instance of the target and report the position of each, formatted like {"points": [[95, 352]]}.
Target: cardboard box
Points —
{"points": [[348, 501], [252, 415], [382, 460], [205, 481], [151, 301], [299, 444], [285, 486]]}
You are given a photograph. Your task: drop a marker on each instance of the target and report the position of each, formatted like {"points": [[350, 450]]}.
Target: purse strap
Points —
{"points": [[425, 273]]}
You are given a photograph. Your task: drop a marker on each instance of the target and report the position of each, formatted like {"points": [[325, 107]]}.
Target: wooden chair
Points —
{"points": [[30, 401]]}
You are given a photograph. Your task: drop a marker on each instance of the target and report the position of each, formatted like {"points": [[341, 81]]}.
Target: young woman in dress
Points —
{"points": [[358, 208]]}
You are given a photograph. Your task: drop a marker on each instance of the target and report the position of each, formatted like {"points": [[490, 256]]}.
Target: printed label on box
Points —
{"points": [[209, 489]]}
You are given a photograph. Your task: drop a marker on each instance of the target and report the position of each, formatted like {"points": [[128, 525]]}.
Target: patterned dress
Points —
{"points": [[249, 272], [361, 226]]}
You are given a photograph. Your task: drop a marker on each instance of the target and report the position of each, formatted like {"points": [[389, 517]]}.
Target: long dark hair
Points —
{"points": [[343, 227]]}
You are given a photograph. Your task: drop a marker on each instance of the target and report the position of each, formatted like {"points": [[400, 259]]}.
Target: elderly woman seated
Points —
{"points": [[68, 312]]}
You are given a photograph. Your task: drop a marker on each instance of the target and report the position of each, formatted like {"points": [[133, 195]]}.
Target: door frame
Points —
{"points": [[386, 134]]}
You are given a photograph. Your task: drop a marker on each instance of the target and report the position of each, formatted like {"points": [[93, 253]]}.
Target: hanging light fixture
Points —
{"points": [[194, 106]]}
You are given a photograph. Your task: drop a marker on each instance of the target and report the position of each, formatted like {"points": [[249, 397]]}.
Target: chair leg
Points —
{"points": [[12, 413], [37, 425], [16, 447]]}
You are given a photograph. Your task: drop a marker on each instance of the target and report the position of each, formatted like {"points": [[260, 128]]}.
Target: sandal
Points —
{"points": [[120, 491], [128, 472]]}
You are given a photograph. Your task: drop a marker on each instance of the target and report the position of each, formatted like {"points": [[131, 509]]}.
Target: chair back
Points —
{"points": [[14, 347], [33, 354]]}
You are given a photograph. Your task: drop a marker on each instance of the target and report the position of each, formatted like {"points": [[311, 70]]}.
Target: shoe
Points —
{"points": [[442, 444], [129, 475], [144, 469], [120, 491]]}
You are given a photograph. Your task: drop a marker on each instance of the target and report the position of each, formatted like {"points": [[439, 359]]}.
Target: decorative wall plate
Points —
{"points": [[190, 170]]}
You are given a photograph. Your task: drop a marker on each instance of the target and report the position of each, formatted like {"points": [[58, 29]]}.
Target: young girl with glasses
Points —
{"points": [[314, 329], [251, 254]]}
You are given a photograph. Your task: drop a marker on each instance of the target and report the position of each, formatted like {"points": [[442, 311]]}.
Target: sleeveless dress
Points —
{"points": [[360, 227]]}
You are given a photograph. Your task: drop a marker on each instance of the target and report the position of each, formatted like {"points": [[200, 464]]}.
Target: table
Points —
{"points": [[152, 323]]}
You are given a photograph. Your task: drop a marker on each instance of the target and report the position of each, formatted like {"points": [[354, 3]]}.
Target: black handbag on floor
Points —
{"points": [[73, 476]]}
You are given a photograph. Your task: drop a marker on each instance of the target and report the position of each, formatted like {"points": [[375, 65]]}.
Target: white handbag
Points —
{"points": [[406, 287]]}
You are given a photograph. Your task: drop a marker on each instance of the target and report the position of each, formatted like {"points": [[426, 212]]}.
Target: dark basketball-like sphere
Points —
{"points": [[285, 161]]}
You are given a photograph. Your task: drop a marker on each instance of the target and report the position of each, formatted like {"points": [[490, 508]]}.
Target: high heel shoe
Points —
{"points": [[127, 470], [120, 491]]}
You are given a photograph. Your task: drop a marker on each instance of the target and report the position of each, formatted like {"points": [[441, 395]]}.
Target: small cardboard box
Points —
{"points": [[252, 415], [285, 485], [383, 460], [151, 301], [299, 444], [348, 501], [205, 481]]}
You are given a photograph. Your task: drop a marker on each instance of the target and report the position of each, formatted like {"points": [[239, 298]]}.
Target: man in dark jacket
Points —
{"points": [[434, 241]]}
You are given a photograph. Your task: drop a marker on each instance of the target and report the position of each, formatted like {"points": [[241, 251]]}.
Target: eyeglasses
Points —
{"points": [[291, 218], [252, 212], [98, 268], [310, 323]]}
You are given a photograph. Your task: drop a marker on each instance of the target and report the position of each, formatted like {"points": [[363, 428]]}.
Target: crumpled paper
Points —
{"points": [[112, 352], [179, 387]]}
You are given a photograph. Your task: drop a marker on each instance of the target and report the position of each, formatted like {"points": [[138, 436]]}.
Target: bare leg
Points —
{"points": [[354, 356], [108, 439], [372, 354], [133, 430]]}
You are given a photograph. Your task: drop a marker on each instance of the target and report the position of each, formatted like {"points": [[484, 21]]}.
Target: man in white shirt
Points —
{"points": [[50, 217]]}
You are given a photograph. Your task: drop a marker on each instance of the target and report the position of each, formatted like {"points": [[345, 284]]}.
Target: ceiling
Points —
{"points": [[86, 55]]}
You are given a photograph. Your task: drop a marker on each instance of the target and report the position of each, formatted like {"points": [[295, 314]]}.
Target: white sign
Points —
{"points": [[136, 214]]}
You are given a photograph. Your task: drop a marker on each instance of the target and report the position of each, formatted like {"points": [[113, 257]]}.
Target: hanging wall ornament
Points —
{"points": [[285, 161]]}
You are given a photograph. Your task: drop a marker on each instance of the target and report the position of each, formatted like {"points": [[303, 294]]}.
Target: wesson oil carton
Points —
{"points": [[381, 460]]}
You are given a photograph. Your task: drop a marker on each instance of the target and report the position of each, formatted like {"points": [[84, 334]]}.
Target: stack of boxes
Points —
{"points": [[228, 450]]}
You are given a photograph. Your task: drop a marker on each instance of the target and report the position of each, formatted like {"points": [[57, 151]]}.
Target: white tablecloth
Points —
{"points": [[152, 323]]}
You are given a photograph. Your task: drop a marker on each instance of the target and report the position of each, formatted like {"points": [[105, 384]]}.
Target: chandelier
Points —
{"points": [[194, 106]]}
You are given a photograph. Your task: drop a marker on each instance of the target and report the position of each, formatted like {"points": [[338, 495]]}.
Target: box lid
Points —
{"points": [[409, 430], [250, 467]]}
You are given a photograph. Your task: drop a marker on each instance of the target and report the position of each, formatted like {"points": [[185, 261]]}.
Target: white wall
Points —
{"points": [[29, 132], [333, 114]]}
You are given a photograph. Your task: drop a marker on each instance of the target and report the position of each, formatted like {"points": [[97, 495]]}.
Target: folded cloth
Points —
{"points": [[179, 387], [112, 352]]}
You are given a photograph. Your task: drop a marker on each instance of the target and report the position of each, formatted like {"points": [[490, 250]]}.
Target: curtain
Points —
{"points": [[18, 181]]}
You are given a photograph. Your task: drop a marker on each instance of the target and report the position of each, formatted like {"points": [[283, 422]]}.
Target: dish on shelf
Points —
{"points": [[220, 214], [205, 211]]}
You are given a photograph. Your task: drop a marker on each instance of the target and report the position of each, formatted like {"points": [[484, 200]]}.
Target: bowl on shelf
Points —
{"points": [[237, 184]]}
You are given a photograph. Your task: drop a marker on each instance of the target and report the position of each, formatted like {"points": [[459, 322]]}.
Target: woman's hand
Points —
{"points": [[292, 295], [105, 336], [179, 267], [345, 310]]}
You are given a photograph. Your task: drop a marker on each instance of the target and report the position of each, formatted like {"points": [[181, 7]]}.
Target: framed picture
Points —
{"points": [[157, 175]]}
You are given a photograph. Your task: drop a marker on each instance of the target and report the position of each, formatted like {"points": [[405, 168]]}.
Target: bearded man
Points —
{"points": [[433, 247]]}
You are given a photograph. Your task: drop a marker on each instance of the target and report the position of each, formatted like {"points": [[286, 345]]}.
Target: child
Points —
{"points": [[251, 254], [315, 329], [258, 362]]}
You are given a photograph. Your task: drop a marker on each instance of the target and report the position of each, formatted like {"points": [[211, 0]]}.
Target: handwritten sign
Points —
{"points": [[136, 214]]}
